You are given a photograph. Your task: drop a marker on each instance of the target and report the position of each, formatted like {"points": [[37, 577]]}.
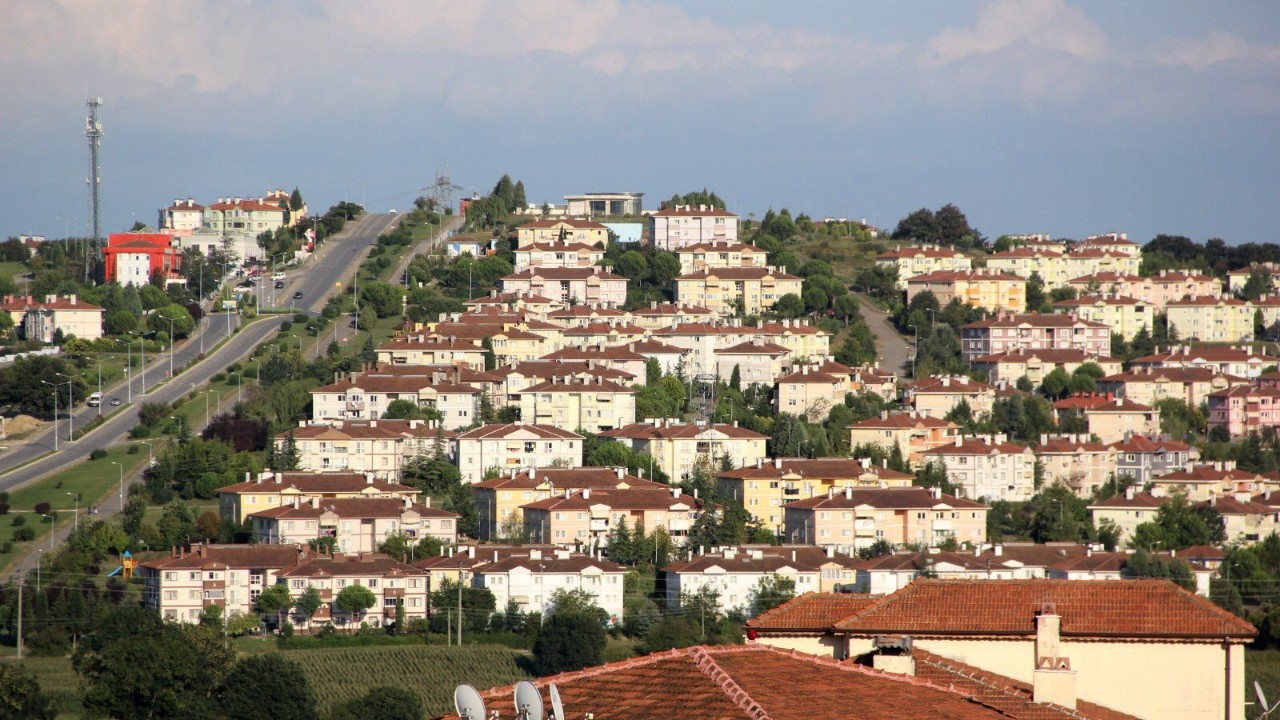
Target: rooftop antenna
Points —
{"points": [[557, 707], [93, 131], [528, 701], [468, 703]]}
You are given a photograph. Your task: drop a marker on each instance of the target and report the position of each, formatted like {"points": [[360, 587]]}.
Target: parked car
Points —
{"points": [[392, 211], [279, 284], [297, 295]]}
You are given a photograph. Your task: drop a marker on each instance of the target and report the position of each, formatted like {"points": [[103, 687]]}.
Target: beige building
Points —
{"points": [[676, 448], [557, 255], [988, 468], [1211, 318], [1050, 265], [765, 488], [181, 585], [810, 395], [937, 396], [1205, 481], [912, 432], [912, 261], [675, 227], [723, 290], [1148, 386], [1076, 462], [567, 230], [581, 285], [758, 361], [591, 404], [498, 500], [367, 397], [658, 315], [42, 320], [719, 254], [519, 376], [852, 518], [1115, 420], [518, 445], [585, 519], [1242, 361], [423, 350], [377, 447], [357, 524], [531, 581], [1009, 366], [1124, 315], [394, 585], [988, 289], [268, 490]]}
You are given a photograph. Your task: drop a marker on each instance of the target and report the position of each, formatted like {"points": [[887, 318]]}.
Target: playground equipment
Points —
{"points": [[127, 564]]}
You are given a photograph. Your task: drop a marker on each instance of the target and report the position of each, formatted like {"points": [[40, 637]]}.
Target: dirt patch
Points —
{"points": [[21, 426]]}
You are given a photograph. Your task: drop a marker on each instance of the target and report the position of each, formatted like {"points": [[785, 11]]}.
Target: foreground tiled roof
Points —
{"points": [[811, 611], [748, 682], [1109, 608]]}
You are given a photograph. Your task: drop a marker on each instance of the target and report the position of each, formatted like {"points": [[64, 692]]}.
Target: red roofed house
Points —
{"points": [[42, 320], [758, 361], [675, 227], [132, 258], [1033, 331], [356, 524]]}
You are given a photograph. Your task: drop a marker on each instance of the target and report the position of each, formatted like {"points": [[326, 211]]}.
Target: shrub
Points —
{"points": [[23, 534], [286, 326], [140, 431], [133, 450], [218, 377], [4, 508], [19, 520], [299, 317], [97, 454], [6, 548], [42, 508]]}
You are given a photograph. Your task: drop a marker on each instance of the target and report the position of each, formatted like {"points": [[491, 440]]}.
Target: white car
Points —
{"points": [[392, 211], [277, 276]]}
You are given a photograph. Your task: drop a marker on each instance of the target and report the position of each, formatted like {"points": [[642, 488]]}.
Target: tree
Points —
{"points": [[789, 306], [921, 225], [295, 200], [308, 602], [1178, 524], [402, 409], [267, 686], [385, 299], [1258, 284], [663, 268], [275, 600], [576, 602], [183, 323], [20, 695], [652, 372], [355, 599], [772, 591], [567, 642], [384, 702]]}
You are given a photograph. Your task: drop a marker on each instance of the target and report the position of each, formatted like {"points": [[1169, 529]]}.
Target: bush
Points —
{"points": [[133, 450], [6, 548], [19, 520], [24, 534], [299, 317], [97, 454], [4, 508], [42, 508], [218, 377], [140, 431], [286, 326]]}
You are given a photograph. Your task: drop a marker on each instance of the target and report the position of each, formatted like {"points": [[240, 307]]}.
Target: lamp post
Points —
{"points": [[99, 387], [55, 412], [76, 521], [39, 558], [51, 529], [150, 460], [181, 424], [121, 469], [71, 407], [170, 347]]}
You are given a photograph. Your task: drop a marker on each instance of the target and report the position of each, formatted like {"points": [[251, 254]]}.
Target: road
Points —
{"points": [[317, 281], [893, 350]]}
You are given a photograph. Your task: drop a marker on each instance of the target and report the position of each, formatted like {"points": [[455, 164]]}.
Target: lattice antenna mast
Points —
{"points": [[93, 131], [443, 188]]}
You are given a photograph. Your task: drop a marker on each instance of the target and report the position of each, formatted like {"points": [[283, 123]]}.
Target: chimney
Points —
{"points": [[777, 463], [586, 493], [1053, 680], [315, 502], [848, 493]]}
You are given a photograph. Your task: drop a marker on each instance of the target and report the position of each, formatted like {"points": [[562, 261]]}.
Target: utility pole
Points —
{"points": [[459, 603], [93, 131], [20, 583]]}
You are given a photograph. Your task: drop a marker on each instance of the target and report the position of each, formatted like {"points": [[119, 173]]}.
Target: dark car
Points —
{"points": [[297, 295], [279, 284]]}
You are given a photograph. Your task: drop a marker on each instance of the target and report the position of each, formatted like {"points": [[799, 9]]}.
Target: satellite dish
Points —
{"points": [[1262, 699], [528, 701], [557, 707], [469, 704]]}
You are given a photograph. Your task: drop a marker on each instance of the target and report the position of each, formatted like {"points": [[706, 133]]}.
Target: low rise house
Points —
{"points": [[1077, 462], [1033, 331], [423, 350], [765, 488], [1010, 366], [912, 433], [854, 518], [586, 518], [1125, 316], [566, 230], [593, 404], [995, 291], [64, 317], [725, 290], [1209, 480], [356, 524], [581, 285], [1144, 458], [397, 587], [267, 490], [735, 576], [531, 581], [1211, 318], [515, 445], [498, 500], [378, 447], [679, 226], [677, 448], [1243, 410], [987, 468], [937, 396], [719, 254], [181, 585], [912, 261]]}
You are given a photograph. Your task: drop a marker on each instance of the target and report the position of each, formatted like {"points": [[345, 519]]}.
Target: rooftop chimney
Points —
{"points": [[1053, 680]]}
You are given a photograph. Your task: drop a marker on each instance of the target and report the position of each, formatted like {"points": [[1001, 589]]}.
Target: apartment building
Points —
{"points": [[575, 285], [1129, 510], [658, 316], [1077, 462], [912, 261], [912, 432], [676, 227], [724, 290], [1238, 278], [1156, 291], [42, 320], [1050, 265], [1243, 410], [765, 488], [1148, 385], [810, 395], [379, 447], [592, 404], [1124, 315], [181, 585], [245, 216], [995, 291], [676, 448], [670, 357], [183, 216], [519, 376], [719, 254], [1119, 418], [1203, 481], [530, 581], [853, 518], [356, 524], [605, 334], [498, 500], [516, 445], [557, 255], [758, 361], [395, 585], [367, 397], [132, 258], [1082, 261], [988, 468], [619, 358], [576, 316], [561, 231], [1033, 331], [424, 350], [735, 575], [1242, 361], [267, 490], [1211, 318], [1011, 365], [1143, 458], [804, 341], [937, 396], [586, 518]]}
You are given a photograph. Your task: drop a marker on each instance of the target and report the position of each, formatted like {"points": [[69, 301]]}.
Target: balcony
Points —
{"points": [[681, 525], [355, 405], [599, 525]]}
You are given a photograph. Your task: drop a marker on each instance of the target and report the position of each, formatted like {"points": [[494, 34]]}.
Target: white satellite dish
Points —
{"points": [[557, 707], [1262, 699], [528, 701], [469, 704]]}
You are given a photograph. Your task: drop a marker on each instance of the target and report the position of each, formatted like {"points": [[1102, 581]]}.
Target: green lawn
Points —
{"points": [[94, 481], [13, 270], [57, 678], [1264, 667]]}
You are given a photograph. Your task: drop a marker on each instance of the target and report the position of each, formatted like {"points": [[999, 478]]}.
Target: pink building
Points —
{"points": [[1033, 331], [676, 227], [582, 285], [1243, 409]]}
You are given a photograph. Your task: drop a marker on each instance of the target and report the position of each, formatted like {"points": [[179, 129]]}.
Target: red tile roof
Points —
{"points": [[1144, 444], [574, 478], [1055, 356], [720, 246], [1106, 608], [948, 385], [684, 430], [811, 467], [230, 556], [904, 420], [911, 252], [362, 564], [751, 347], [352, 508], [811, 611], [895, 498], [969, 275], [977, 446], [619, 499], [318, 483], [569, 273], [487, 432]]}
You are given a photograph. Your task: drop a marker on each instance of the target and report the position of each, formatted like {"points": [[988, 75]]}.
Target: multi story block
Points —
{"points": [[725, 290], [593, 404], [557, 255], [367, 397], [356, 524], [719, 254], [182, 585], [1147, 385], [423, 350], [987, 467], [498, 500], [1077, 462], [1211, 318], [586, 518], [581, 285], [41, 321], [734, 575], [531, 581], [1143, 458], [269, 490], [913, 433], [857, 518], [1241, 361], [676, 227], [397, 587], [378, 447], [1033, 331], [765, 488], [517, 445], [912, 261], [677, 448], [560, 231], [983, 288], [1124, 315], [1243, 410], [937, 396], [758, 362], [1009, 366]]}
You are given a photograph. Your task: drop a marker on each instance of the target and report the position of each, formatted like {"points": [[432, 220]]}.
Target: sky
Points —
{"points": [[1068, 118]]}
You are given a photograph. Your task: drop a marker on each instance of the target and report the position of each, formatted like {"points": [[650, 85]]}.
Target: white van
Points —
{"points": [[94, 400]]}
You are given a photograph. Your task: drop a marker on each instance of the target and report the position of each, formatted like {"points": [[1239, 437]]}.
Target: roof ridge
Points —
{"points": [[737, 695]]}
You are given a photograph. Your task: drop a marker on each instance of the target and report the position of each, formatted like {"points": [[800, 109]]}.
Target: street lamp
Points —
{"points": [[76, 521], [99, 387], [170, 347], [39, 558], [150, 461], [71, 406], [121, 468], [180, 422], [55, 387], [52, 527]]}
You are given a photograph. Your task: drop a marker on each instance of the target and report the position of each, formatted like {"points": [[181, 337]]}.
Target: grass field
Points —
{"points": [[1264, 667], [13, 270], [58, 680]]}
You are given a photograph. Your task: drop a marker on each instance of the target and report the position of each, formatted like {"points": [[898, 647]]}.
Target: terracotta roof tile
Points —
{"points": [[811, 611]]}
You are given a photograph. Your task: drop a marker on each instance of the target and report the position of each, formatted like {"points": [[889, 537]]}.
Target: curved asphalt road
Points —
{"points": [[337, 259]]}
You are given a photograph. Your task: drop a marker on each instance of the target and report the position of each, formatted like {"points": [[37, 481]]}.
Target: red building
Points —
{"points": [[132, 258]]}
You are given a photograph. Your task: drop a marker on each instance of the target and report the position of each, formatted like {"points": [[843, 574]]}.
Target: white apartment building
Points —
{"points": [[593, 404], [675, 227], [516, 445], [376, 447], [676, 448], [181, 585], [736, 574], [531, 581], [392, 582], [988, 468], [356, 524]]}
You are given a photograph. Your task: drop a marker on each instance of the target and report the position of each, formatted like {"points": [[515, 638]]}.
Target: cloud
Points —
{"points": [[1212, 49], [1039, 25]]}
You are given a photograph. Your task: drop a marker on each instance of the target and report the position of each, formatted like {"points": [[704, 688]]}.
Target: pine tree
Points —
{"points": [[620, 547], [369, 353], [490, 359], [289, 457], [735, 378], [295, 200], [652, 372]]}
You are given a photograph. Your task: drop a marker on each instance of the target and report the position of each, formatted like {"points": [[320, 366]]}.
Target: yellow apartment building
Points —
{"points": [[914, 433], [988, 289], [719, 254], [765, 488], [853, 518], [498, 500], [676, 448], [592, 404], [720, 289], [1077, 462], [911, 261], [1211, 318], [561, 231], [937, 396], [267, 490], [1124, 315]]}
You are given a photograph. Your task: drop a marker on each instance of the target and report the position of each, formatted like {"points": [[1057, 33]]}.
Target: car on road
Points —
{"points": [[392, 211], [277, 276], [297, 295], [279, 284], [115, 402]]}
